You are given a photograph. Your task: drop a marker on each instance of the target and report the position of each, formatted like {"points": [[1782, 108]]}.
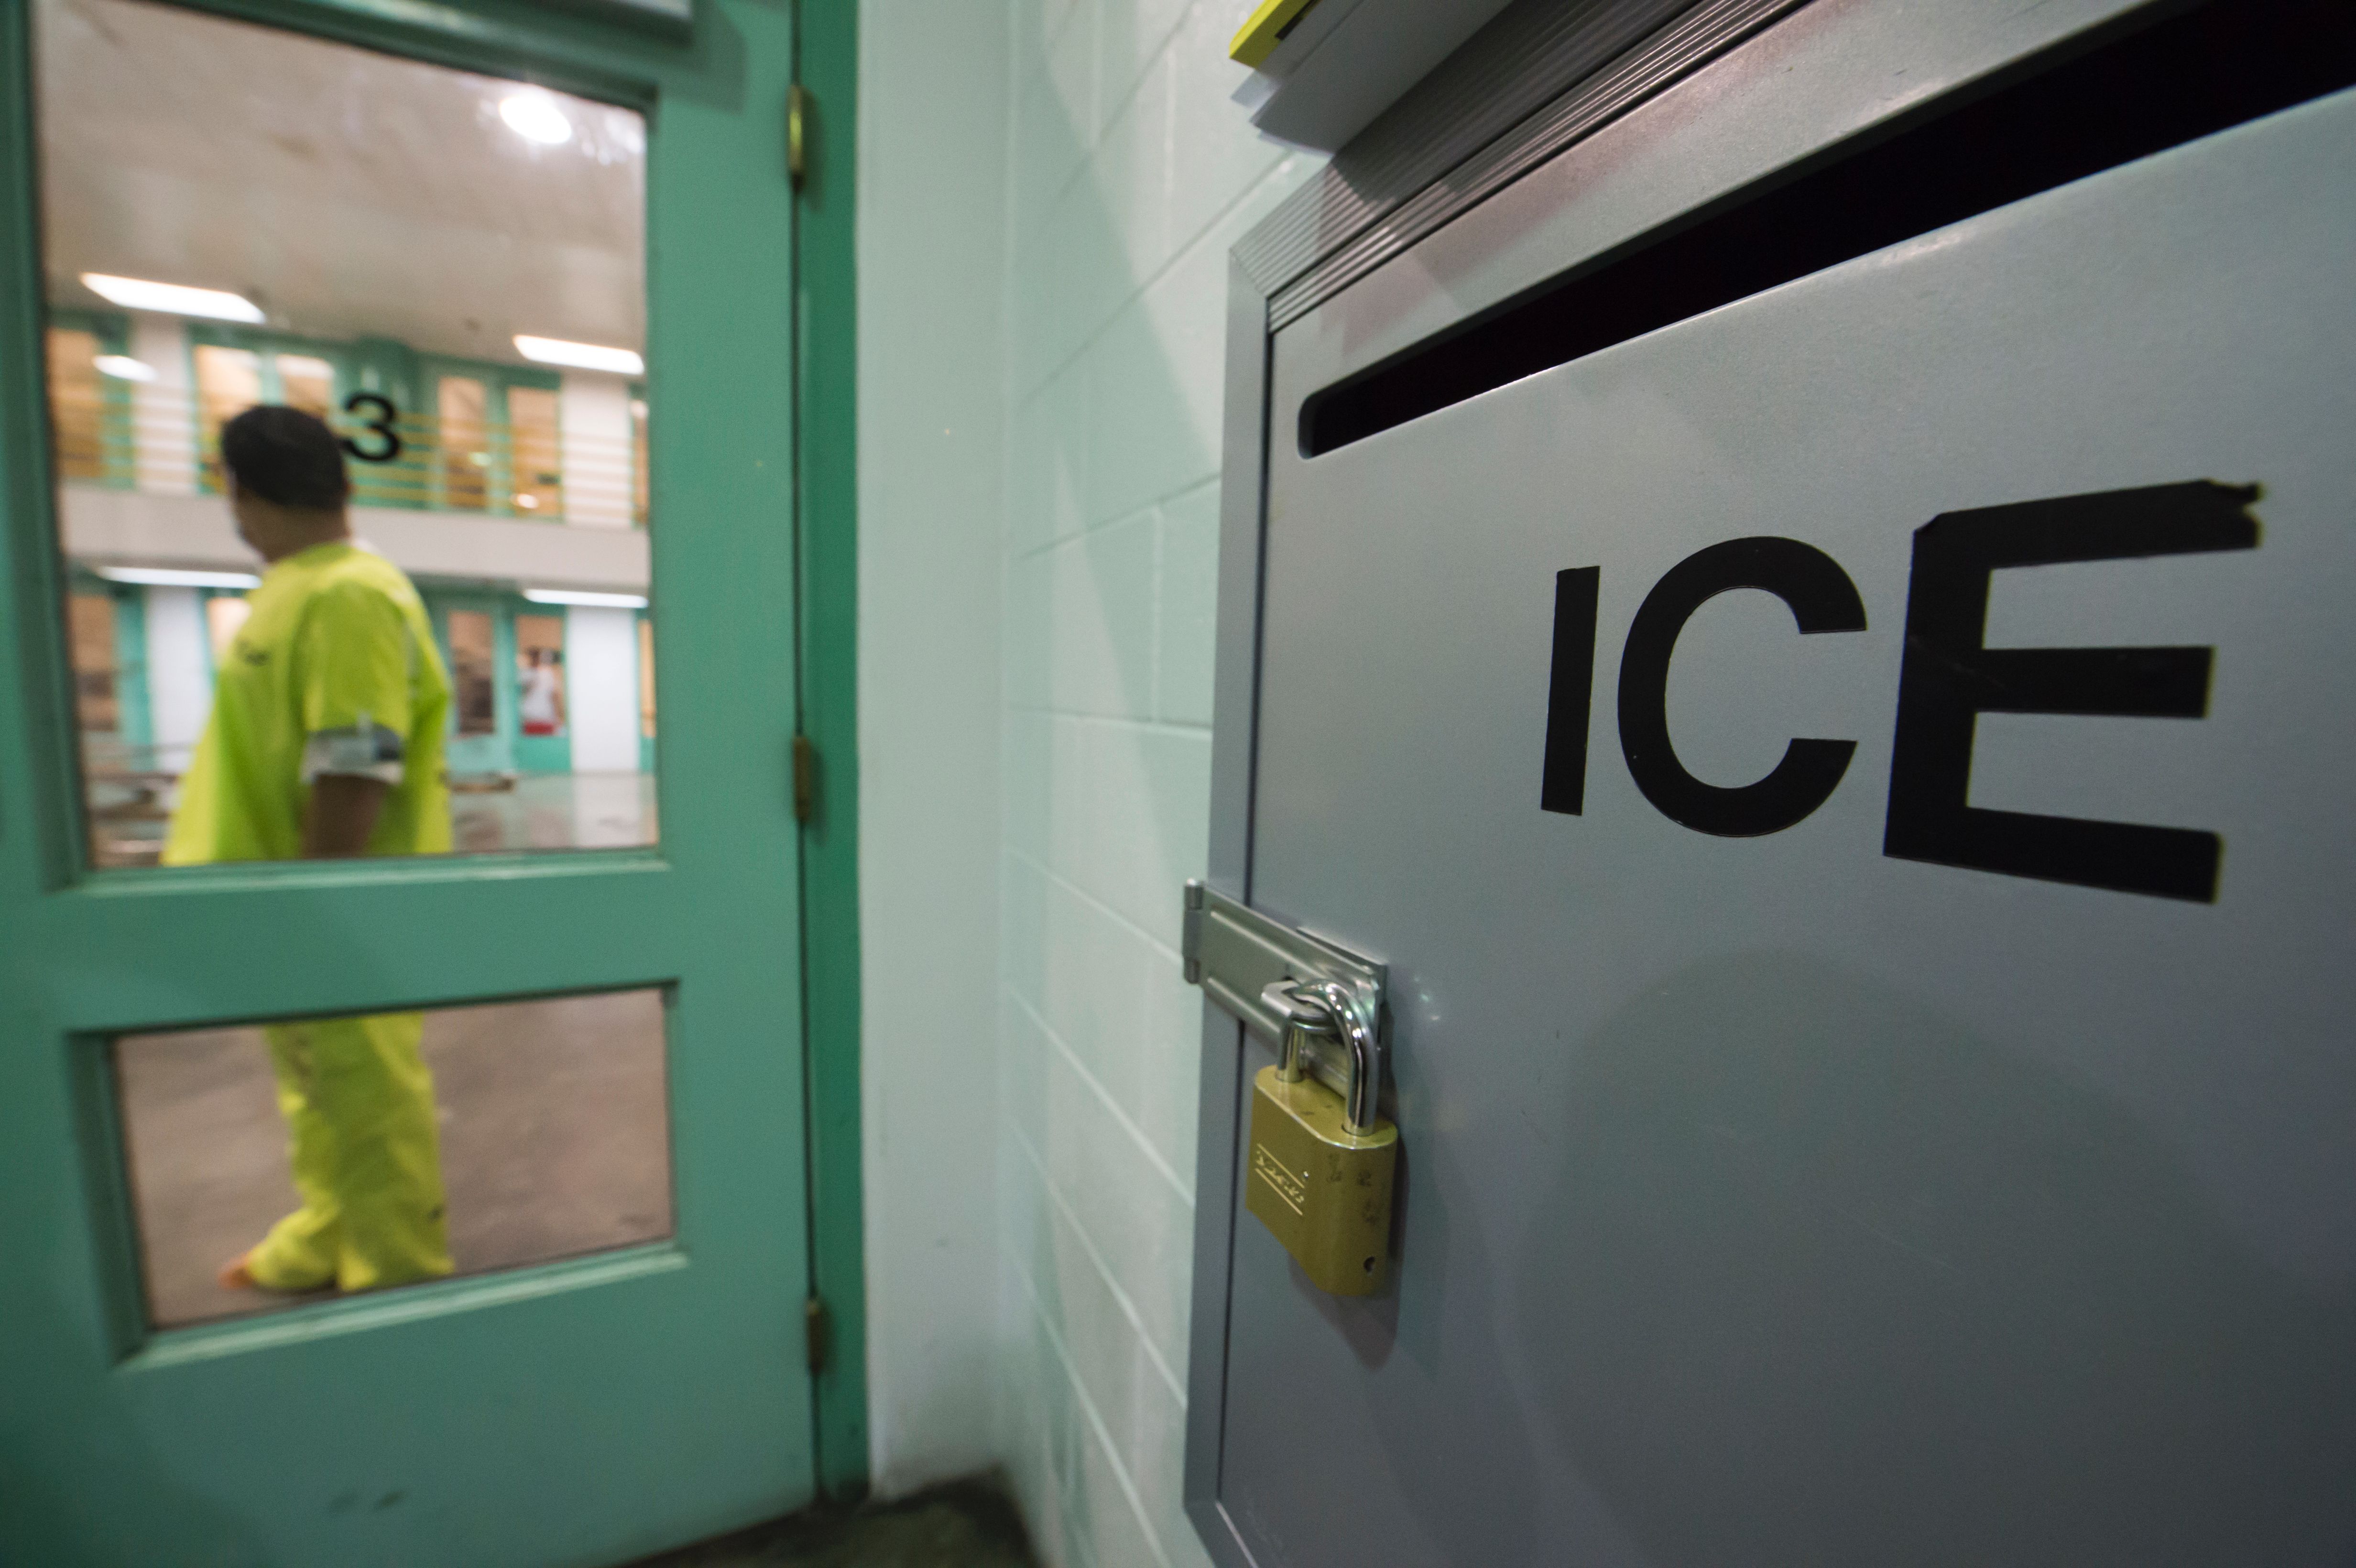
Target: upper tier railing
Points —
{"points": [[166, 440]]}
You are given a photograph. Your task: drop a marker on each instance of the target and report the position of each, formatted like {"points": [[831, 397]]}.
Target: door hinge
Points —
{"points": [[798, 125], [814, 1334], [805, 779]]}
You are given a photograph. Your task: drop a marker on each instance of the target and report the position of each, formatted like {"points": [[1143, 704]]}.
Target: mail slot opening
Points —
{"points": [[2156, 79]]}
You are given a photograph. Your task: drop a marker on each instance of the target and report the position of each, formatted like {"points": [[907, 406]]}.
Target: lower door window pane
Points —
{"points": [[338, 1156]]}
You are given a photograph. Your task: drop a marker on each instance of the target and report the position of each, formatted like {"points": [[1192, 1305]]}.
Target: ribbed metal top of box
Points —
{"points": [[1543, 76]]}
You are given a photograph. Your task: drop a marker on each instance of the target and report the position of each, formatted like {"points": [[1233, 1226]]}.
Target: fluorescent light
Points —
{"points": [[124, 367], [173, 299], [171, 577], [535, 117], [595, 600], [580, 356]]}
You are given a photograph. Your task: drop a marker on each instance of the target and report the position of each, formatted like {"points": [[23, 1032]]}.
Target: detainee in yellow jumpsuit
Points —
{"points": [[325, 739]]}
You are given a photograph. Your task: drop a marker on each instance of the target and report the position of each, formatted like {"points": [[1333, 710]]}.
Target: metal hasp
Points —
{"points": [[1234, 952], [1322, 1162]]}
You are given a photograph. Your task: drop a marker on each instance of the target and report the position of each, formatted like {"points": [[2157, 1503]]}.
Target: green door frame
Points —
{"points": [[607, 52], [825, 34]]}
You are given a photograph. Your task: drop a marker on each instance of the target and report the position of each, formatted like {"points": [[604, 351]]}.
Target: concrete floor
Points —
{"points": [[555, 1142], [967, 1524]]}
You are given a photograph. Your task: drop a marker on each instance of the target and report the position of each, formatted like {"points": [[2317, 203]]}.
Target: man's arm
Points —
{"points": [[343, 812], [353, 664]]}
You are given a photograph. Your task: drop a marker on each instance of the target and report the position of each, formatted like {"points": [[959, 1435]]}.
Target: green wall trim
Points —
{"points": [[826, 321]]}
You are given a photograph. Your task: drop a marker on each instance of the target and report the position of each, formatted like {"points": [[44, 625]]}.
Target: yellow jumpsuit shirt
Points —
{"points": [[335, 671]]}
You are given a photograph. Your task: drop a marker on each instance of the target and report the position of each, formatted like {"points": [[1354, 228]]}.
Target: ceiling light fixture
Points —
{"points": [[173, 577], [580, 356], [173, 299], [124, 367], [535, 117], [593, 600]]}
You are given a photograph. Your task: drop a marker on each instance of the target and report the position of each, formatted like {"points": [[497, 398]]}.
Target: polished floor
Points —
{"points": [[967, 1524], [129, 814], [555, 811], [555, 1142]]}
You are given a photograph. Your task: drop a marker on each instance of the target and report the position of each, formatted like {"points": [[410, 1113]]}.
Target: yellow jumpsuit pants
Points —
{"points": [[358, 1104]]}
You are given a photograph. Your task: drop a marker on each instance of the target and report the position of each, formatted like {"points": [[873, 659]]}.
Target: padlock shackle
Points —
{"points": [[1340, 1003]]}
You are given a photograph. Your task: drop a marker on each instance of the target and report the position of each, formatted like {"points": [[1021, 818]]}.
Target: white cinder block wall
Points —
{"points": [[932, 420], [593, 421], [601, 689], [1131, 174], [1119, 175]]}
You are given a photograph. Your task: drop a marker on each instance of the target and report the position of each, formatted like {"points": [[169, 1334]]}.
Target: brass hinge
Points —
{"points": [[797, 117], [805, 779], [814, 1334]]}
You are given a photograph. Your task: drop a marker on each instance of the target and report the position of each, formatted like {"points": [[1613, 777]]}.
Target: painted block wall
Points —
{"points": [[931, 279], [164, 439], [179, 674], [1130, 175], [1029, 1102], [601, 689], [593, 421]]}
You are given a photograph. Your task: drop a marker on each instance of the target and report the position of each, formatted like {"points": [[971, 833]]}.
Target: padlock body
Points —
{"points": [[1324, 1191]]}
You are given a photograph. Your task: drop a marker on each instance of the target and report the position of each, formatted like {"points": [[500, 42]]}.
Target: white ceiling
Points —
{"points": [[347, 193]]}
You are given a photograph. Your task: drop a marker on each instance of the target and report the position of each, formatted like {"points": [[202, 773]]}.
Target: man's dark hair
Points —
{"points": [[285, 455]]}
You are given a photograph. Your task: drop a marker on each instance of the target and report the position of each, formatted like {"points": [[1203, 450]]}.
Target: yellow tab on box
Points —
{"points": [[1257, 38]]}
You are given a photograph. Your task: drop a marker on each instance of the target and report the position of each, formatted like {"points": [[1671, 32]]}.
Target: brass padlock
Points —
{"points": [[1321, 1163]]}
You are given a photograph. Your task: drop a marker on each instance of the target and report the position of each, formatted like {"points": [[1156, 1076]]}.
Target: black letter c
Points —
{"points": [[1822, 599]]}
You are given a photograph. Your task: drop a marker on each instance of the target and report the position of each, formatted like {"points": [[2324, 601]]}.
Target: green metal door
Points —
{"points": [[582, 1410], [482, 718]]}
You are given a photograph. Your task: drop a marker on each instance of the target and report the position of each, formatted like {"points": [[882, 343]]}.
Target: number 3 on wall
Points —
{"points": [[379, 426]]}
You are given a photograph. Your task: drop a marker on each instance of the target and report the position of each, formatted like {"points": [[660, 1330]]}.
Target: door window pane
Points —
{"points": [[456, 1141], [640, 488], [229, 382], [90, 623], [472, 685], [77, 404], [539, 675], [463, 407], [225, 615], [306, 383], [535, 469], [460, 329], [647, 679]]}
